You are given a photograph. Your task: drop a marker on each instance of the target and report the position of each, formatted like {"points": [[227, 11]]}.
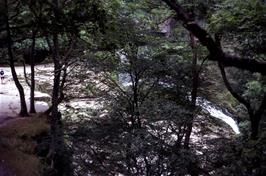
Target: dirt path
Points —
{"points": [[9, 96]]}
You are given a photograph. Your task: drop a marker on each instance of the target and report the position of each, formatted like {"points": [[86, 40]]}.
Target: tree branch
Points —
{"points": [[231, 90], [216, 53]]}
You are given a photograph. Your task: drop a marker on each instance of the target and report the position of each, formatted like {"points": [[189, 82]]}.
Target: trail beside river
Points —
{"points": [[9, 96]]}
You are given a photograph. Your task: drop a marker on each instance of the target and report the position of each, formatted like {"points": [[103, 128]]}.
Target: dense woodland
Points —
{"points": [[148, 66]]}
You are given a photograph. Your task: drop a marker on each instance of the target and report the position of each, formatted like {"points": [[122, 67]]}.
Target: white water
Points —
{"points": [[214, 111], [218, 113]]}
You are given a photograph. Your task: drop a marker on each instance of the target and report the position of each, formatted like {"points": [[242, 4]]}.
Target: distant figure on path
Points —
{"points": [[2, 75]]}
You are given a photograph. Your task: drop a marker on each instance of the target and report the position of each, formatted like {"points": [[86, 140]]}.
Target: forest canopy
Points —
{"points": [[138, 87]]}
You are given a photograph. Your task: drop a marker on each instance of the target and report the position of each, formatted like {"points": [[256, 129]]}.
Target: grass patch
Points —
{"points": [[18, 143]]}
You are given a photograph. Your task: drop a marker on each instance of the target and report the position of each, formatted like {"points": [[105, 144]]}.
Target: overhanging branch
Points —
{"points": [[216, 53], [232, 91]]}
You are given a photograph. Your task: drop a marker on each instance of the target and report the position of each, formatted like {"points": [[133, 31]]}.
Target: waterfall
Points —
{"points": [[218, 113]]}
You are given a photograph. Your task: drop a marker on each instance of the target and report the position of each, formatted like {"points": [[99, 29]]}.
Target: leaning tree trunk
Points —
{"points": [[23, 106], [254, 114]]}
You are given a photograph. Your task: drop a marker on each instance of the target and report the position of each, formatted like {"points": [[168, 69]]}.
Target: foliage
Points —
{"points": [[244, 23], [248, 158], [117, 53]]}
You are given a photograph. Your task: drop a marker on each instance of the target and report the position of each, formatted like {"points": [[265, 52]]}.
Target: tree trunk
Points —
{"points": [[194, 89], [55, 94], [254, 120], [136, 100], [57, 68], [32, 66], [23, 106]]}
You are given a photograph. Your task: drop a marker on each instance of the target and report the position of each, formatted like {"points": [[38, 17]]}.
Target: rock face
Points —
{"points": [[39, 55]]}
